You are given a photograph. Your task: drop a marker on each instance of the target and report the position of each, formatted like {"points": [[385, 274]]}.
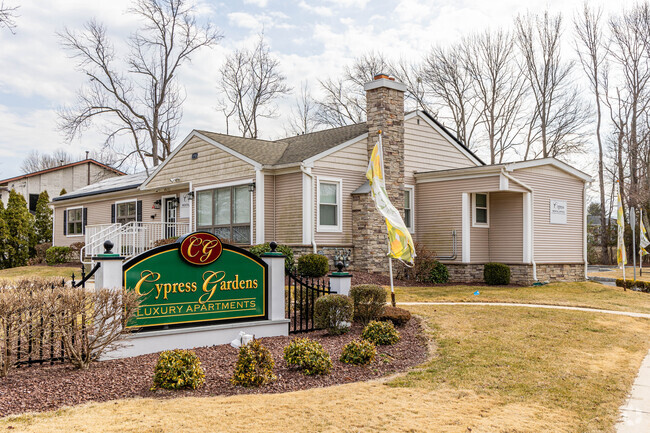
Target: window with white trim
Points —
{"points": [[126, 212], [481, 210], [226, 212], [408, 208], [329, 205], [74, 221]]}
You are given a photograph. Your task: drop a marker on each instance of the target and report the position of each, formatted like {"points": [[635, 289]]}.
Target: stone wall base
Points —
{"points": [[519, 273], [329, 252]]}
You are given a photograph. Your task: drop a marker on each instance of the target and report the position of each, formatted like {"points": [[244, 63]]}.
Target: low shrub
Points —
{"points": [[333, 312], [358, 352], [313, 265], [380, 333], [399, 316], [496, 274], [41, 253], [369, 301], [641, 286], [426, 269], [308, 355], [178, 369], [57, 255], [260, 249], [254, 365], [166, 241]]}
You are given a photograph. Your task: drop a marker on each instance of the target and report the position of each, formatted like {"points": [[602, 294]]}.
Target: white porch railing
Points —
{"points": [[129, 239]]}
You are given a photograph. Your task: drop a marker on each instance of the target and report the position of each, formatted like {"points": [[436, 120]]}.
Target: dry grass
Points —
{"points": [[508, 370], [629, 273], [40, 271], [581, 294]]}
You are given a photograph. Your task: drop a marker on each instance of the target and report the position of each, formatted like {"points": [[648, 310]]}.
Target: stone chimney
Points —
{"points": [[385, 113]]}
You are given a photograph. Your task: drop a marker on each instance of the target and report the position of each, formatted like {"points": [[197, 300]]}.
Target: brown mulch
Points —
{"points": [[384, 280], [41, 388]]}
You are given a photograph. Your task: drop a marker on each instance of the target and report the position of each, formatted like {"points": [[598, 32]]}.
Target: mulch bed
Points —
{"points": [[41, 388]]}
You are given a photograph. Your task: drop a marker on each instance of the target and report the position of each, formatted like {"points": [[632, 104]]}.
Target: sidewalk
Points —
{"points": [[635, 413]]}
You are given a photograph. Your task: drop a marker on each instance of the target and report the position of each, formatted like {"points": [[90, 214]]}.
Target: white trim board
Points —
{"points": [[339, 205]]}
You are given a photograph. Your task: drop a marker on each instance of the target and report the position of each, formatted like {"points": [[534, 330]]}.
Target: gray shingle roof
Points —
{"points": [[289, 150], [120, 183]]}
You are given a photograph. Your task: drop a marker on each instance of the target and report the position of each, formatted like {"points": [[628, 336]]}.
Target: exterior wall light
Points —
{"points": [[251, 187]]}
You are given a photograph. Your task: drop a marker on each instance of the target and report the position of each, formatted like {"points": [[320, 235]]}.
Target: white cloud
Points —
{"points": [[318, 10], [245, 20], [258, 3]]}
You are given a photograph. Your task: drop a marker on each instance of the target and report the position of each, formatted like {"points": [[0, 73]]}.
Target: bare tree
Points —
{"points": [[498, 86], [593, 56], [140, 98], [251, 81], [8, 16], [558, 115], [303, 114], [446, 78], [36, 161]]}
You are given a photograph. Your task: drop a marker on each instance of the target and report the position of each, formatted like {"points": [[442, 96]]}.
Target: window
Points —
{"points": [[481, 214], [329, 205], [226, 212], [74, 221], [408, 208], [125, 212], [33, 199]]}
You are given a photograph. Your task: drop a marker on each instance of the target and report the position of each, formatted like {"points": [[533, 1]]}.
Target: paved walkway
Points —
{"points": [[635, 413]]}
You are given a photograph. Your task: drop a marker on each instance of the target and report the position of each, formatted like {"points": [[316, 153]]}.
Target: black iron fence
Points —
{"points": [[301, 295]]}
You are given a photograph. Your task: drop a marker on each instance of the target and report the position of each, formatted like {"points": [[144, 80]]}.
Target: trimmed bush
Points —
{"points": [[178, 369], [260, 249], [254, 365], [333, 312], [641, 286], [399, 316], [308, 356], [369, 301], [380, 333], [313, 265], [358, 352], [57, 255], [496, 274]]}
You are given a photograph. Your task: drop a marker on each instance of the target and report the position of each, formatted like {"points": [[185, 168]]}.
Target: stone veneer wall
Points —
{"points": [[301, 250], [370, 243], [520, 274]]}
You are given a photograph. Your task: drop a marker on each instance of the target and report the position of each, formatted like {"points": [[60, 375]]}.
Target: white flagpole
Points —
{"points": [[390, 259], [640, 238]]}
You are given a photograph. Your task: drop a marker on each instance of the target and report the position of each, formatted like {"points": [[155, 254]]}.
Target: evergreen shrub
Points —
{"points": [[334, 313], [178, 369], [369, 301], [308, 356], [380, 333], [496, 274], [399, 316], [254, 365], [57, 255], [358, 352], [313, 265]]}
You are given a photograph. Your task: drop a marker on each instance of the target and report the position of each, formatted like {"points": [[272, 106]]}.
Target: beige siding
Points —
{"points": [[352, 157], [556, 243], [269, 208], [351, 180], [213, 166], [506, 227], [426, 150], [288, 208], [480, 243]]}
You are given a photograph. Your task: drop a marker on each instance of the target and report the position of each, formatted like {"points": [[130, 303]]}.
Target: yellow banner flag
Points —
{"points": [[643, 242], [400, 241], [621, 257]]}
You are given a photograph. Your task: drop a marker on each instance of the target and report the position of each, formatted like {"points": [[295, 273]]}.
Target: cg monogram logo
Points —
{"points": [[201, 248]]}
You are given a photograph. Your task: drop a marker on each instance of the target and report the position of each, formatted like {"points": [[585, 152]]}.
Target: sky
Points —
{"points": [[312, 39]]}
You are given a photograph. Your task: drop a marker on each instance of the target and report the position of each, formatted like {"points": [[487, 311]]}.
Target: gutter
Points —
{"points": [[532, 218], [311, 220]]}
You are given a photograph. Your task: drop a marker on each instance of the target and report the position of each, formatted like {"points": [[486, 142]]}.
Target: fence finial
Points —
{"points": [[108, 247], [273, 246]]}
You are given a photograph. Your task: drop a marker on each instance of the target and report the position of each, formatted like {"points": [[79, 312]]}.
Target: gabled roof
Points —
{"points": [[60, 167], [113, 184]]}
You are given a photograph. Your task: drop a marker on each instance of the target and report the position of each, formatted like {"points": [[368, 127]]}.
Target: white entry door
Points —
{"points": [[170, 209]]}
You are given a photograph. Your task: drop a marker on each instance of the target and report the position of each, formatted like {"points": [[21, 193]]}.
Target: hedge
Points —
{"points": [[496, 274]]}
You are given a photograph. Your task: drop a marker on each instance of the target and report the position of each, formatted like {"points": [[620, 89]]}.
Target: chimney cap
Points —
{"points": [[384, 80], [383, 75]]}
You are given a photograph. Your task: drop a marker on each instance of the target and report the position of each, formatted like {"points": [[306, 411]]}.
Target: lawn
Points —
{"points": [[495, 369], [41, 271], [581, 294], [629, 273]]}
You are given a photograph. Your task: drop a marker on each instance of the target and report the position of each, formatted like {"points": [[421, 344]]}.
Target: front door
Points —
{"points": [[170, 217]]}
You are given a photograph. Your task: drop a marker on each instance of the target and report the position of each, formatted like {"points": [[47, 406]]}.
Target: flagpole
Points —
{"points": [[390, 259], [640, 241]]}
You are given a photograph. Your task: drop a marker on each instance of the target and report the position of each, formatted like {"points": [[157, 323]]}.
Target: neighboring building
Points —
{"points": [[69, 176], [310, 192]]}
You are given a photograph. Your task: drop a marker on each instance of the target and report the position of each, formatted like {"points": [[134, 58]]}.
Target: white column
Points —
{"points": [[259, 206], [275, 290], [528, 227], [466, 220], [340, 283], [307, 207]]}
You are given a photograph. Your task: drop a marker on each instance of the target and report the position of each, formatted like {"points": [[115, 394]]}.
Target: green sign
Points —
{"points": [[196, 279]]}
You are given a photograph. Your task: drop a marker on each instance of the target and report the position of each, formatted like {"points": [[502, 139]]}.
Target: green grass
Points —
{"points": [[580, 294], [40, 271], [580, 363]]}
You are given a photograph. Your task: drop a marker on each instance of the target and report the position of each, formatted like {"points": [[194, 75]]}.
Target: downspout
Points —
{"points": [[532, 218], [311, 209], [584, 226], [453, 251]]}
